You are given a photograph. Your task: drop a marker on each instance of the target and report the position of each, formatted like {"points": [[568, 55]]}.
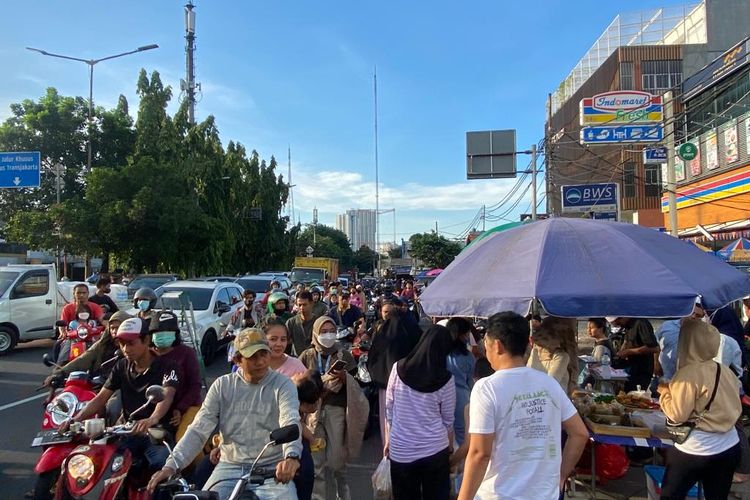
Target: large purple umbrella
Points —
{"points": [[582, 268]]}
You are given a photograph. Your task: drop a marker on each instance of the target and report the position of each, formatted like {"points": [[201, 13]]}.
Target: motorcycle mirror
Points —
{"points": [[61, 323], [157, 434], [285, 434], [155, 394], [47, 362]]}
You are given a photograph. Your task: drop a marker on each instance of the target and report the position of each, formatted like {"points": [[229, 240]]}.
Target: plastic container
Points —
{"points": [[654, 478]]}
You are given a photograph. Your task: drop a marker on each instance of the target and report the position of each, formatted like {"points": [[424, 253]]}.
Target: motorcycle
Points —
{"points": [[79, 336], [98, 466], [243, 488], [66, 398]]}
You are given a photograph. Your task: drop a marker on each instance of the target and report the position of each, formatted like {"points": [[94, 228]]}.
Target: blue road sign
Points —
{"points": [[590, 198], [604, 215], [19, 169], [655, 155], [622, 133]]}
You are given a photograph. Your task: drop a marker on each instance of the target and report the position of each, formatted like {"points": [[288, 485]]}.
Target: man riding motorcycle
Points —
{"points": [[145, 301], [132, 375], [102, 350]]}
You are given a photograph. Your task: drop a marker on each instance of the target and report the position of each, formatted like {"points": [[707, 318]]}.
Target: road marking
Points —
{"points": [[22, 401]]}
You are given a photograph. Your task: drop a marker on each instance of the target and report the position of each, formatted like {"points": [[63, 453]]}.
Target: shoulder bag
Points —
{"points": [[680, 432]]}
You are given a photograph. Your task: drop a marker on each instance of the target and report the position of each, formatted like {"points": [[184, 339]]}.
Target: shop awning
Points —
{"points": [[736, 225]]}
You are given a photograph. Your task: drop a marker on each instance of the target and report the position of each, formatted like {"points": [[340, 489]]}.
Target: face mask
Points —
{"points": [[163, 339], [274, 288], [327, 340], [249, 302], [84, 316], [143, 305]]}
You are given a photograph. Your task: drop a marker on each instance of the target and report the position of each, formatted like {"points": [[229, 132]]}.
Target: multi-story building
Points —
{"points": [[359, 227], [713, 189], [651, 51]]}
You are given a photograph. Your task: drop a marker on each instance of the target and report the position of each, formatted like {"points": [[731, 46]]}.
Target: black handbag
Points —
{"points": [[680, 432]]}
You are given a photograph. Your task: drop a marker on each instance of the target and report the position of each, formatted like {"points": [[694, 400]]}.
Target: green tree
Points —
{"points": [[434, 250], [365, 259], [328, 242]]}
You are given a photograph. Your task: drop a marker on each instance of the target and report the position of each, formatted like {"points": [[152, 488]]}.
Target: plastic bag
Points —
{"points": [[381, 480]]}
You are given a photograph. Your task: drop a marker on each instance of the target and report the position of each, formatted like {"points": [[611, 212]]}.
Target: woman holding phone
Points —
{"points": [[330, 422]]}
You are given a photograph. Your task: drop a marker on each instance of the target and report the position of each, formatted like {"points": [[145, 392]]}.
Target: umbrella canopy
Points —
{"points": [[580, 268], [496, 229], [433, 272], [740, 244]]}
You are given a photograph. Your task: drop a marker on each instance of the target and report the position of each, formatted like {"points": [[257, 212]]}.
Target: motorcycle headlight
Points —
{"points": [[81, 468], [63, 407], [83, 332]]}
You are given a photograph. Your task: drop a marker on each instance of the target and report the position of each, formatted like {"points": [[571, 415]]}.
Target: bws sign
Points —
{"points": [[590, 198], [621, 107]]}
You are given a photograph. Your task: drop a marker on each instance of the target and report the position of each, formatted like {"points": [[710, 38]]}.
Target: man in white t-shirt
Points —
{"points": [[516, 416]]}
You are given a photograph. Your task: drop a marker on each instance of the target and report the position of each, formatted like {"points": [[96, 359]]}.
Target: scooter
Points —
{"points": [[98, 467], [243, 488], [66, 398], [79, 336]]}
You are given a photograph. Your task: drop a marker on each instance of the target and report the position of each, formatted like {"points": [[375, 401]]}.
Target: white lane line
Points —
{"points": [[22, 401]]}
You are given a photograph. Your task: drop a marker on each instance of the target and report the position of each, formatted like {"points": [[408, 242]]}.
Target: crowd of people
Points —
{"points": [[463, 411]]}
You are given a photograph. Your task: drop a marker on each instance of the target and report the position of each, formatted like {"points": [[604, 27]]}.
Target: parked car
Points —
{"points": [[31, 301], [152, 281], [257, 283], [214, 303], [220, 279], [286, 283]]}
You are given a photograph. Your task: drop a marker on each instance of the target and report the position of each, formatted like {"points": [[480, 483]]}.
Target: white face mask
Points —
{"points": [[83, 316], [327, 340]]}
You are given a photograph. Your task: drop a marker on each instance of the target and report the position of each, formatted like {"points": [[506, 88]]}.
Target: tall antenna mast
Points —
{"points": [[377, 181], [291, 187], [189, 85]]}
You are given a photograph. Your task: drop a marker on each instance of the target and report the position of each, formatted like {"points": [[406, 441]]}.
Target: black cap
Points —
{"points": [[164, 321]]}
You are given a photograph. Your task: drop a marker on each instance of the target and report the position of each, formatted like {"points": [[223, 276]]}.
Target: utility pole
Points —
{"points": [[484, 215], [377, 180], [548, 156], [436, 228], [291, 188], [533, 182], [315, 223], [671, 181], [189, 85]]}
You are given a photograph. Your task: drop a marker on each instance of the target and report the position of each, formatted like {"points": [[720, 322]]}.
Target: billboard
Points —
{"points": [[491, 154], [724, 65], [622, 133], [590, 198], [621, 108]]}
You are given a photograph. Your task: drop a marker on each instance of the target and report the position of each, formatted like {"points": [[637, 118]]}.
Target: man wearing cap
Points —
{"points": [[132, 375], [246, 406]]}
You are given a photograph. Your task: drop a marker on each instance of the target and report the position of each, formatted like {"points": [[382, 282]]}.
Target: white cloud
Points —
{"points": [[337, 191]]}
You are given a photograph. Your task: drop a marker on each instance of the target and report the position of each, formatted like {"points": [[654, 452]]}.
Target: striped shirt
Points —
{"points": [[419, 422]]}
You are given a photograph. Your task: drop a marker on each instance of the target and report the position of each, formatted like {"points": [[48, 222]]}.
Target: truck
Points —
{"points": [[309, 270], [31, 300]]}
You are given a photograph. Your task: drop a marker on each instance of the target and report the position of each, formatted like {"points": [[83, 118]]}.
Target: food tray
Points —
{"points": [[618, 430]]}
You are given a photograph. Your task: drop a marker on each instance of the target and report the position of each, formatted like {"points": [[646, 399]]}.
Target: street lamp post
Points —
{"points": [[91, 63]]}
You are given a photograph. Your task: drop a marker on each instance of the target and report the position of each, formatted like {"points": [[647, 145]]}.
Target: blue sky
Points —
{"points": [[301, 73]]}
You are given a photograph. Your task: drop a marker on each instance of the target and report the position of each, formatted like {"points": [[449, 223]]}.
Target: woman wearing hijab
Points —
{"points": [[330, 461], [420, 403], [392, 341], [705, 394]]}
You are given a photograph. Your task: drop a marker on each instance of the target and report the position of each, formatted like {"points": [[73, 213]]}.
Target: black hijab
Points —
{"points": [[424, 369], [392, 342]]}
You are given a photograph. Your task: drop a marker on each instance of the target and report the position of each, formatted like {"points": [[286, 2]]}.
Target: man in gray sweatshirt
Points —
{"points": [[246, 406]]}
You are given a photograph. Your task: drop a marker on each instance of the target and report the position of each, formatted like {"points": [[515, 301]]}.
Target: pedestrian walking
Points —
{"points": [[420, 405]]}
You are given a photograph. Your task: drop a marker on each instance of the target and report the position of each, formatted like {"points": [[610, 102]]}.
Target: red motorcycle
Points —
{"points": [[66, 398], [79, 336], [97, 466]]}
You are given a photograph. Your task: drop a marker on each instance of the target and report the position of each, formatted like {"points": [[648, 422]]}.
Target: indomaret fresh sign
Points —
{"points": [[621, 107]]}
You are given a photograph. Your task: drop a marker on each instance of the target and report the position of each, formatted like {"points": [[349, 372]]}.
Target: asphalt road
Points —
{"points": [[22, 371]]}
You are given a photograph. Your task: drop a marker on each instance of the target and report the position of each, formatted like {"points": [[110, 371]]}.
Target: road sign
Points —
{"points": [[19, 169], [687, 151], [655, 155], [590, 198], [621, 107], [622, 133], [604, 215], [491, 154]]}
